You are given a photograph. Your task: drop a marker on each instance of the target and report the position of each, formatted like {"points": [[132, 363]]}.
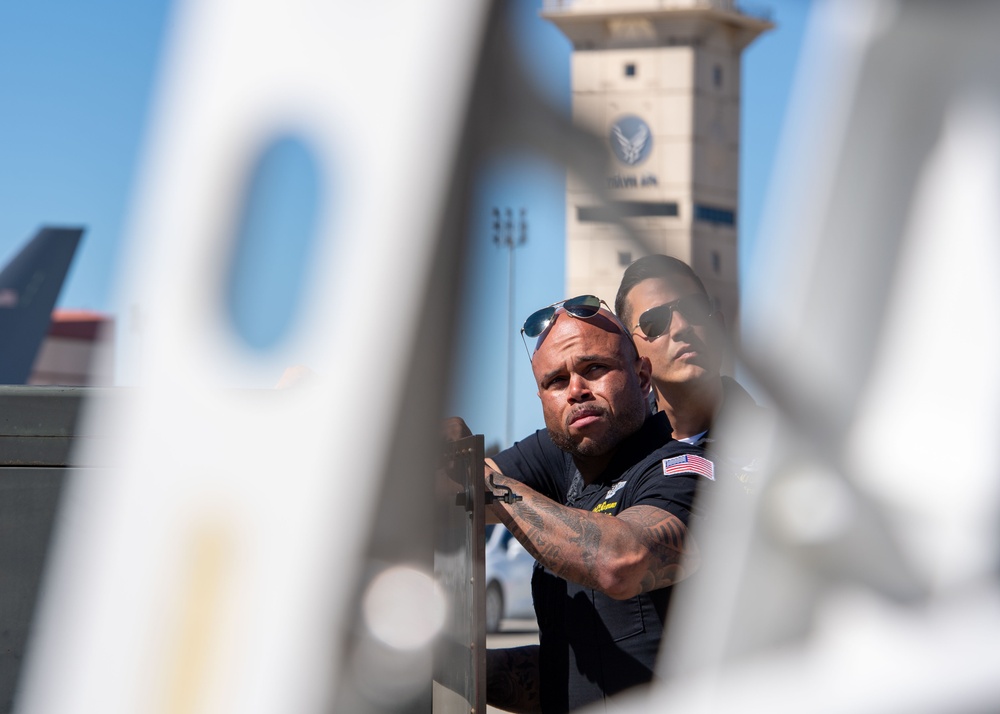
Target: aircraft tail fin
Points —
{"points": [[29, 287]]}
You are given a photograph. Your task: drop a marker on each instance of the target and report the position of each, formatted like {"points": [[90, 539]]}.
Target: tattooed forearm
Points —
{"points": [[512, 679], [565, 540], [643, 548], [672, 553]]}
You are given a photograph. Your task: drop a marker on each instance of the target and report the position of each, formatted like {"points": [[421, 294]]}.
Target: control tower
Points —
{"points": [[660, 80]]}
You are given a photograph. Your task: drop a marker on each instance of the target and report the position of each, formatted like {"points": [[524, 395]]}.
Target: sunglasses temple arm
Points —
{"points": [[525, 343]]}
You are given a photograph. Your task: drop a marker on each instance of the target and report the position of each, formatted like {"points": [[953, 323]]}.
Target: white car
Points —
{"points": [[508, 578]]}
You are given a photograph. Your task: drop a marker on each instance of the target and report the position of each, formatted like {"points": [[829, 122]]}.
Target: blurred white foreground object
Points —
{"points": [[211, 566], [865, 577]]}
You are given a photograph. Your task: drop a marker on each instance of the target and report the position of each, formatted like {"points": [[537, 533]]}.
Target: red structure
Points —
{"points": [[77, 351]]}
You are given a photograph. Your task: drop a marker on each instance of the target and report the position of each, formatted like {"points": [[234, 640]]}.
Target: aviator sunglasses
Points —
{"points": [[696, 309], [583, 307]]}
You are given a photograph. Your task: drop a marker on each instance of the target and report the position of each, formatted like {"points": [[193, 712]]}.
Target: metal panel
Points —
{"points": [[38, 433], [35, 450], [39, 425], [29, 498], [459, 567]]}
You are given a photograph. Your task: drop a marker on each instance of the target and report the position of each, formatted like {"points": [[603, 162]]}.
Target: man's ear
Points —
{"points": [[645, 373]]}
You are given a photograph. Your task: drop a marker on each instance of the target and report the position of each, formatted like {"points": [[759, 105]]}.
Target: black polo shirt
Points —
{"points": [[739, 441], [591, 645]]}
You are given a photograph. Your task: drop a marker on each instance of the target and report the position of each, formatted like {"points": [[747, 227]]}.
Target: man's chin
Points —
{"points": [[690, 373], [580, 445], [589, 447]]}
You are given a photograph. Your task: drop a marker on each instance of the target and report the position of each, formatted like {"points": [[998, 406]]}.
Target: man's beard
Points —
{"points": [[621, 425]]}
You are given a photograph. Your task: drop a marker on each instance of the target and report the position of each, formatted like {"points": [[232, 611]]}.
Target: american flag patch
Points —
{"points": [[689, 464]]}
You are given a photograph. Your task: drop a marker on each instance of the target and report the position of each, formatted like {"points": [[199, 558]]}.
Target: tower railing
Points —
{"points": [[759, 12]]}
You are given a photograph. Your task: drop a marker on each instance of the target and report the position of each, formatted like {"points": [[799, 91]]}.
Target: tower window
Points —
{"points": [[630, 69], [711, 214], [624, 258], [617, 210], [716, 262], [717, 75]]}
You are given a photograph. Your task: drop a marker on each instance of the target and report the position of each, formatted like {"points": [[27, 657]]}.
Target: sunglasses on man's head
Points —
{"points": [[696, 309], [581, 306]]}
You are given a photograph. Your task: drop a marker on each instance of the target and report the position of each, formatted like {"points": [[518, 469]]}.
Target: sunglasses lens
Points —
{"points": [[696, 309], [655, 321], [538, 321], [583, 306]]}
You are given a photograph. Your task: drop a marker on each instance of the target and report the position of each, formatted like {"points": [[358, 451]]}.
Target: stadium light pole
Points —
{"points": [[504, 236]]}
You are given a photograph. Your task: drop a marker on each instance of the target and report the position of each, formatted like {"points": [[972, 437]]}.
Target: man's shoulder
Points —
{"points": [[541, 442], [735, 398], [673, 448], [742, 436], [669, 477], [742, 422], [534, 455], [669, 452], [678, 452]]}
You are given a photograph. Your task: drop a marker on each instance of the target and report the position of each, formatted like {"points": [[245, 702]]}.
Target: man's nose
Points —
{"points": [[579, 388], [678, 323]]}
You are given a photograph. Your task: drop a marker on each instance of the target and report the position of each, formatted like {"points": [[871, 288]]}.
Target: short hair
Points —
{"points": [[661, 267]]}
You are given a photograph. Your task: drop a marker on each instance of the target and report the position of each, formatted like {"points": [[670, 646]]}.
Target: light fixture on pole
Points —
{"points": [[504, 236]]}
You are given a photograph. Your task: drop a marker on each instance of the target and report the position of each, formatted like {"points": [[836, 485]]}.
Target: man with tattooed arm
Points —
{"points": [[607, 498]]}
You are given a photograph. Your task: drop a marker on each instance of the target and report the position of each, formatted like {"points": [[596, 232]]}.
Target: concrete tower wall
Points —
{"points": [[661, 82]]}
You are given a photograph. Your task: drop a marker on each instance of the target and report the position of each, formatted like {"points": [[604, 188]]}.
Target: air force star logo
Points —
{"points": [[631, 140]]}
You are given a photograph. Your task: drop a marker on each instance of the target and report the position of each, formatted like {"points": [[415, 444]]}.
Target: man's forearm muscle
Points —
{"points": [[641, 549], [673, 555]]}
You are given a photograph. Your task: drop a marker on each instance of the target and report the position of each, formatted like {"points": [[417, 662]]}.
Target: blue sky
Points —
{"points": [[76, 81]]}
